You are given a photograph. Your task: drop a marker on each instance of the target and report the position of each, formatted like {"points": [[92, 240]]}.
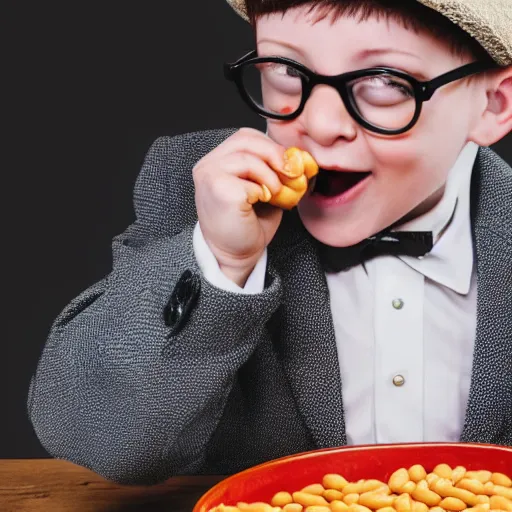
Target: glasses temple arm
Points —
{"points": [[429, 88]]}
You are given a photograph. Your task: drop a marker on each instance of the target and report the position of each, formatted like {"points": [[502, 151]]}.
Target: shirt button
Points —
{"points": [[398, 380], [398, 303]]}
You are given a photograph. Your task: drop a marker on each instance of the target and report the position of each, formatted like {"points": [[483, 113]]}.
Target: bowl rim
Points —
{"points": [[322, 451]]}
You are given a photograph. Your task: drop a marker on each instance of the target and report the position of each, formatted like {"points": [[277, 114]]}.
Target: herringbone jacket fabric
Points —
{"points": [[249, 377]]}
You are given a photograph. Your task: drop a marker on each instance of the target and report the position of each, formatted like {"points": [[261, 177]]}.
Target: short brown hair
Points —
{"points": [[410, 13]]}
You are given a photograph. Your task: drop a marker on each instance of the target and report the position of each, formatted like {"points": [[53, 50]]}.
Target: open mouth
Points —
{"points": [[336, 183]]}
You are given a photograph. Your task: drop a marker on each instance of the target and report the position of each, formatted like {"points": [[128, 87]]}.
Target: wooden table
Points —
{"points": [[47, 485]]}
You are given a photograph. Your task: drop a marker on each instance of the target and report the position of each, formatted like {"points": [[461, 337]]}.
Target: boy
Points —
{"points": [[379, 310]]}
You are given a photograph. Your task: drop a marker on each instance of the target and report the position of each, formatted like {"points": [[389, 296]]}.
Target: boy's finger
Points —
{"points": [[258, 145], [251, 168], [255, 193]]}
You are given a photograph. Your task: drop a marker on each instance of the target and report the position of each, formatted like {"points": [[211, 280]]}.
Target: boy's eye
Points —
{"points": [[277, 78], [275, 87], [382, 90], [279, 70]]}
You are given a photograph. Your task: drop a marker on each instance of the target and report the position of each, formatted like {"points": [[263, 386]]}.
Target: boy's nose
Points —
{"points": [[326, 118]]}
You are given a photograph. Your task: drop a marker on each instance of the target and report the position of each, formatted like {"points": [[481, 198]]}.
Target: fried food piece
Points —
{"points": [[298, 169]]}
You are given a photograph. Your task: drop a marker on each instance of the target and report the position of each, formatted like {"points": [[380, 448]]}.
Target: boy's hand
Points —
{"points": [[228, 184]]}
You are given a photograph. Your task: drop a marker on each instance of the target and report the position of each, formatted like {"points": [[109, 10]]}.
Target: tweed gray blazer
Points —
{"points": [[122, 389]]}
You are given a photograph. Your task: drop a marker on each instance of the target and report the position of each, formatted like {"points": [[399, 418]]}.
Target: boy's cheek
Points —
{"points": [[396, 155], [285, 134], [407, 172]]}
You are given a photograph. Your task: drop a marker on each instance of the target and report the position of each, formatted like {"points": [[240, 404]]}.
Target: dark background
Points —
{"points": [[89, 89]]}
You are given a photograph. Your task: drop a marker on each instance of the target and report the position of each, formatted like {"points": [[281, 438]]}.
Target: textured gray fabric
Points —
{"points": [[249, 378]]}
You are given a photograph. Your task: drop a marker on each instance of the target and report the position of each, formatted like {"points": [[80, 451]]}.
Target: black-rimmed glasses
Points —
{"points": [[383, 100]]}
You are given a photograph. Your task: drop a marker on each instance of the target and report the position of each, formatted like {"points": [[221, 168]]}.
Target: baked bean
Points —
{"points": [[383, 490], [305, 499], [431, 478], [425, 495], [501, 479], [403, 503], [354, 488], [483, 499], [281, 499], [443, 471], [351, 498], [293, 507], [453, 504], [317, 489], [338, 506], [334, 481], [372, 485], [458, 474], [418, 506], [483, 476], [408, 487], [398, 479], [474, 486], [417, 473], [333, 495], [500, 502], [506, 492], [375, 500], [489, 488], [358, 508]]}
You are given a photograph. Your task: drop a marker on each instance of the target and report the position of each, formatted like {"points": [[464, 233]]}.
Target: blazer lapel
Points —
{"points": [[489, 408], [306, 345]]}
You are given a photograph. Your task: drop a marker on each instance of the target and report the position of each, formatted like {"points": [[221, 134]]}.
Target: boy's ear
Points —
{"points": [[496, 120]]}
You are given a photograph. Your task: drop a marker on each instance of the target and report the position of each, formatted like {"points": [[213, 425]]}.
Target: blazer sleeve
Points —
{"points": [[118, 390]]}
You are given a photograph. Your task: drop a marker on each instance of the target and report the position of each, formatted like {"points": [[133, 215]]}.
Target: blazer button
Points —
{"points": [[182, 301]]}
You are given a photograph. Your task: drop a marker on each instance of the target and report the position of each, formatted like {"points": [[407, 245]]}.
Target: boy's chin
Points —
{"points": [[337, 235]]}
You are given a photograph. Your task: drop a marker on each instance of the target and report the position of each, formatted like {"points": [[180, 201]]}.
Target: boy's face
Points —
{"points": [[407, 172]]}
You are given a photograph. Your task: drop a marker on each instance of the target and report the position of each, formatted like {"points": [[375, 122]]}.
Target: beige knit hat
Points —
{"points": [[488, 21]]}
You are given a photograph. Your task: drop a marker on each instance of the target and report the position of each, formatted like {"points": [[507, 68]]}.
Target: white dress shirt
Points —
{"points": [[404, 327]]}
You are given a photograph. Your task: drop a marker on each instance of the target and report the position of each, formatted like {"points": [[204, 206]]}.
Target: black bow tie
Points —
{"points": [[395, 243]]}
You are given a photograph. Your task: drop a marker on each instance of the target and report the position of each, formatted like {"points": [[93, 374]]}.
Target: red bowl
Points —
{"points": [[377, 461]]}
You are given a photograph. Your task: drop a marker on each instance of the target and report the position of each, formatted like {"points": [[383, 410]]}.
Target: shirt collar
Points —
{"points": [[450, 263]]}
